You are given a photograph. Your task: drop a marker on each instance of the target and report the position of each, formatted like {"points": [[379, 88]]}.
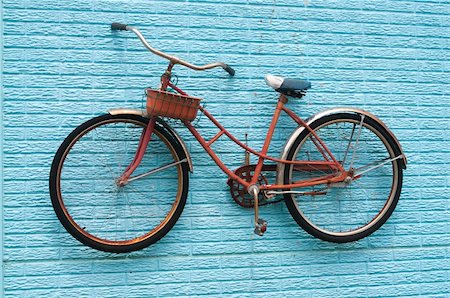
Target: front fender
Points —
{"points": [[290, 141], [173, 133]]}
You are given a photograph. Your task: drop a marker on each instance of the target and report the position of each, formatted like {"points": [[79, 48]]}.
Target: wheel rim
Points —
{"points": [[351, 209], [95, 205]]}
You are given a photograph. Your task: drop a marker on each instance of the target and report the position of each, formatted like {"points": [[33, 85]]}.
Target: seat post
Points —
{"points": [[283, 98], [276, 115]]}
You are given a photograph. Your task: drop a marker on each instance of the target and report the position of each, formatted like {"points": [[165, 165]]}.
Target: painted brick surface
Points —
{"points": [[62, 65]]}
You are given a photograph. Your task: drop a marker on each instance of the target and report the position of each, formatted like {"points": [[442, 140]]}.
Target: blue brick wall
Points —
{"points": [[1, 142], [62, 65]]}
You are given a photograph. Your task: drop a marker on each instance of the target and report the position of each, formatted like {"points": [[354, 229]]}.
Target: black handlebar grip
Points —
{"points": [[118, 26], [229, 70]]}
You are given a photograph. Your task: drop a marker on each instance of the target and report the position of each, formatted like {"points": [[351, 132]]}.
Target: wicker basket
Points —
{"points": [[172, 105]]}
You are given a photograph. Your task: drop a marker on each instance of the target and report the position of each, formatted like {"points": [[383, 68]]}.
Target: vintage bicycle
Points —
{"points": [[119, 181]]}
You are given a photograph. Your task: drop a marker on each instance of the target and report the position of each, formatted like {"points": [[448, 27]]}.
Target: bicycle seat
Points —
{"points": [[286, 86]]}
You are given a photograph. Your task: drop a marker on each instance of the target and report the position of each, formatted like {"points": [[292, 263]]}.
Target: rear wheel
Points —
{"points": [[98, 211], [347, 211]]}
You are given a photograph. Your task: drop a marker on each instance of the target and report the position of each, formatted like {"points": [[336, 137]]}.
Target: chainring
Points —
{"points": [[238, 191]]}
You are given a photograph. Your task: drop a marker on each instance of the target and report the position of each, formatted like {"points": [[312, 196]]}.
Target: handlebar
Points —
{"points": [[172, 59]]}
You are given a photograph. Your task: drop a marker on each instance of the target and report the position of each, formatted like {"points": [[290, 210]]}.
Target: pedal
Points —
{"points": [[260, 227]]}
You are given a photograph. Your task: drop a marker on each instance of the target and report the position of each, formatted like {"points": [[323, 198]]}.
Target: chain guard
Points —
{"points": [[238, 191]]}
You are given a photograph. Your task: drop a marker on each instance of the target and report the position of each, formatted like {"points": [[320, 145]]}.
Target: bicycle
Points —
{"points": [[119, 181]]}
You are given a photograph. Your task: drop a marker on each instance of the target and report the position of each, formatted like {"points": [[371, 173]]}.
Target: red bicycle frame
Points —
{"points": [[329, 162]]}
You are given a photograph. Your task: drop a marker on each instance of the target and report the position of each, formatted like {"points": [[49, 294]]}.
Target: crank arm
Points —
{"points": [[260, 224]]}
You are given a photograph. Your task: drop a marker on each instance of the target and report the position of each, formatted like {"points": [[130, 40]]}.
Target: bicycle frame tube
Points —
{"points": [[330, 162]]}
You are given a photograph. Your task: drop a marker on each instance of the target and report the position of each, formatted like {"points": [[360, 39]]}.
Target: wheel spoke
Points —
{"points": [[105, 163]]}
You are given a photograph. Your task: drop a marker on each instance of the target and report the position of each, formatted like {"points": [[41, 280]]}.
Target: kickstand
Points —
{"points": [[260, 224]]}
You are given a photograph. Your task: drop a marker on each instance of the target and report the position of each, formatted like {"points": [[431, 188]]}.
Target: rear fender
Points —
{"points": [[281, 166]]}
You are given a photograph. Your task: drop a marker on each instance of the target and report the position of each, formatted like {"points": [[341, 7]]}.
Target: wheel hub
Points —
{"points": [[120, 182]]}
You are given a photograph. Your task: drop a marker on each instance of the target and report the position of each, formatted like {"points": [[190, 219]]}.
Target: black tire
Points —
{"points": [[347, 219], [89, 203]]}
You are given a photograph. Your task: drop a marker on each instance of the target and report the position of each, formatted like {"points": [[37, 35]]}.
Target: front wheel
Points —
{"points": [[349, 211], [99, 211]]}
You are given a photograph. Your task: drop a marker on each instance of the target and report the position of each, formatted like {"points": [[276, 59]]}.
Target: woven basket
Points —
{"points": [[172, 105]]}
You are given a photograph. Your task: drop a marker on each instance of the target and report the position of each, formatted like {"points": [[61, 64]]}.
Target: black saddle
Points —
{"points": [[286, 86]]}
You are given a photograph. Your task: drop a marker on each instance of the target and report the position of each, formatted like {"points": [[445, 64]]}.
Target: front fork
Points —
{"points": [[146, 135]]}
